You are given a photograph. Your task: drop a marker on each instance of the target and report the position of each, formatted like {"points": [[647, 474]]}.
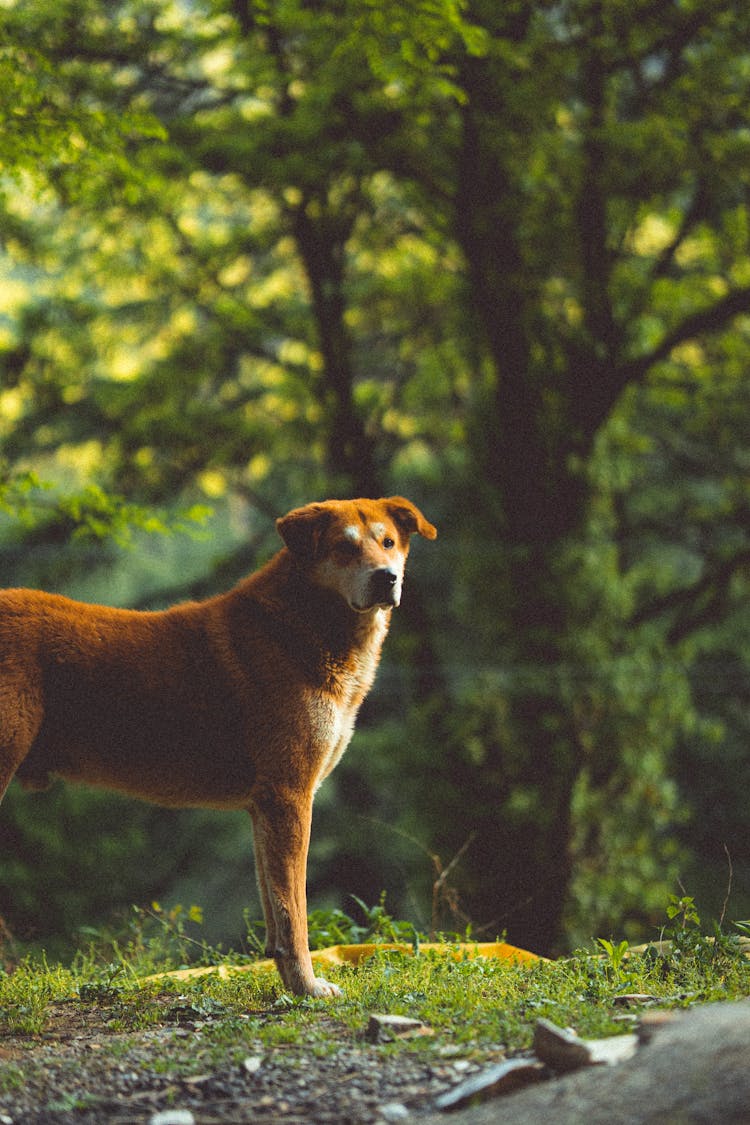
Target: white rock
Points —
{"points": [[614, 1049], [563, 1050], [393, 1111], [172, 1117]]}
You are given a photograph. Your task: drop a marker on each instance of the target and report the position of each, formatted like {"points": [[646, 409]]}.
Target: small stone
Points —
{"points": [[612, 1050], [632, 999], [252, 1064], [172, 1117], [393, 1111], [381, 1028], [492, 1082]]}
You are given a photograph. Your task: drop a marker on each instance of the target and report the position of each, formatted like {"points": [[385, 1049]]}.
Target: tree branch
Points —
{"points": [[697, 605], [691, 216], [710, 319]]}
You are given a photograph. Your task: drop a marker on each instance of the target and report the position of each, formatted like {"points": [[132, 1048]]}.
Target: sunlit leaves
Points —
{"points": [[47, 129], [32, 503], [408, 45]]}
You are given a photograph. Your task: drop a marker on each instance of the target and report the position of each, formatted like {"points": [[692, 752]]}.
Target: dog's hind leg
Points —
{"points": [[8, 766], [6, 776], [281, 829], [10, 759], [20, 719]]}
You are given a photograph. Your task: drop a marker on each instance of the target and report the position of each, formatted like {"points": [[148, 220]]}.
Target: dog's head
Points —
{"points": [[356, 547]]}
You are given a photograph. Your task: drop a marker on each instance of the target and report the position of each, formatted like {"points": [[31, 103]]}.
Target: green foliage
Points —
{"points": [[615, 954], [26, 992], [166, 936], [276, 251], [335, 927], [684, 909], [91, 513], [43, 128]]}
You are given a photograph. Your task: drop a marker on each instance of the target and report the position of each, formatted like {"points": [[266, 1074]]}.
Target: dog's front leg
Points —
{"points": [[265, 893], [281, 834]]}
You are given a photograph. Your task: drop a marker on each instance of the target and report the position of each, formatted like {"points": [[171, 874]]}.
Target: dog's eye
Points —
{"points": [[388, 543]]}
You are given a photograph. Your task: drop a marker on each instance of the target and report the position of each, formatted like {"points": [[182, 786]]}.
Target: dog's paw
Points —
{"points": [[323, 988]]}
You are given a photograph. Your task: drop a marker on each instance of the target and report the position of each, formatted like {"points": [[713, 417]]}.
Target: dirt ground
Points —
{"points": [[79, 1072]]}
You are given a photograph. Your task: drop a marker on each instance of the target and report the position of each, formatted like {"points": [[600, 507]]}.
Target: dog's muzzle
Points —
{"points": [[384, 587]]}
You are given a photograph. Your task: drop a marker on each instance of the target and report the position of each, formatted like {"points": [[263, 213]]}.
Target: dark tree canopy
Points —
{"points": [[494, 254]]}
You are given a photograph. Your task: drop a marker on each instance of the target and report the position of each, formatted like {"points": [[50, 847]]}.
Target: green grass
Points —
{"points": [[476, 1007]]}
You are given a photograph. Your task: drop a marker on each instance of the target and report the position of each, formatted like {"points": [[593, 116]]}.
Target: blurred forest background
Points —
{"points": [[493, 256]]}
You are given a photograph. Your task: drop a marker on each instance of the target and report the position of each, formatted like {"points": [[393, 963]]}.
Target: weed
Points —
{"points": [[69, 1103], [165, 934], [26, 993], [615, 955], [335, 927], [104, 990], [691, 956], [382, 927], [11, 1078]]}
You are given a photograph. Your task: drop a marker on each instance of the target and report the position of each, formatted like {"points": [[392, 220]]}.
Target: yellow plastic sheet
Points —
{"points": [[355, 954]]}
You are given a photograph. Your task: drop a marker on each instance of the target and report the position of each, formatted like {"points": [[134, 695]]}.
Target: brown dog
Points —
{"points": [[247, 700]]}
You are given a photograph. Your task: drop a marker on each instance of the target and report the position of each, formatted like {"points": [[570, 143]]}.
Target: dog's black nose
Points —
{"points": [[383, 583]]}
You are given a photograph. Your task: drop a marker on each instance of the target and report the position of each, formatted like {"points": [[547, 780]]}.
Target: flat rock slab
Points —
{"points": [[563, 1050], [493, 1081], [694, 1071]]}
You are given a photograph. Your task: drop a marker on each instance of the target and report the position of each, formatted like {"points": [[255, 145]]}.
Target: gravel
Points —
{"points": [[84, 1075]]}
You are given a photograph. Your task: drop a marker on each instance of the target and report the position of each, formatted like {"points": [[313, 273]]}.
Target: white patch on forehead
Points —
{"points": [[352, 533], [377, 530]]}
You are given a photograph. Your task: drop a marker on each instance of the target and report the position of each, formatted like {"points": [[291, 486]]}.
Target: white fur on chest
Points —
{"points": [[333, 719]]}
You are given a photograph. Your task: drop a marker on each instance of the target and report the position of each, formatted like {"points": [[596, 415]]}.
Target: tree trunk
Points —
{"points": [[521, 791], [321, 238]]}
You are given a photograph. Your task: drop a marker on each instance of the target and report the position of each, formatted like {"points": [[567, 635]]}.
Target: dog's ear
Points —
{"points": [[408, 517], [302, 528]]}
